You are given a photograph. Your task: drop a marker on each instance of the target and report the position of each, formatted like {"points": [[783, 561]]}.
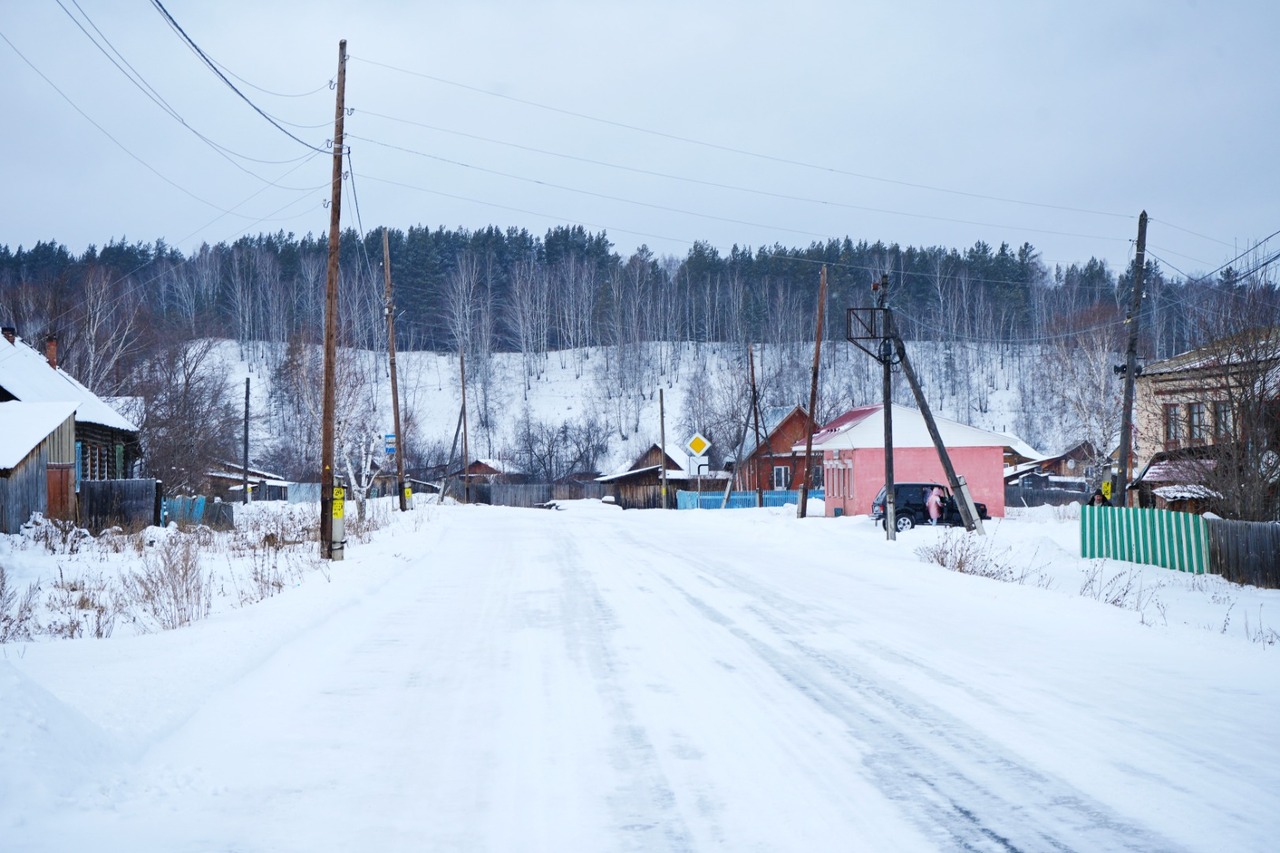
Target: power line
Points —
{"points": [[135, 77], [117, 142], [701, 182], [213, 66], [740, 151], [731, 220]]}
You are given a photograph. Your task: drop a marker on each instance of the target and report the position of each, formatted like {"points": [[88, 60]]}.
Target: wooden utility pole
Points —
{"points": [[395, 386], [662, 437], [802, 509], [245, 485], [755, 416], [466, 459], [1119, 491], [327, 416], [886, 360]]}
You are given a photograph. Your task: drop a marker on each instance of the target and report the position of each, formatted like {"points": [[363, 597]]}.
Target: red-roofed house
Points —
{"points": [[852, 450]]}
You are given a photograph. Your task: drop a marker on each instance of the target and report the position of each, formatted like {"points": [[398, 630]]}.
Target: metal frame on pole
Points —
{"points": [[1119, 491]]}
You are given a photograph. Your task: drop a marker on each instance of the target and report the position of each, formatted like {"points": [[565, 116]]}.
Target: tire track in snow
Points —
{"points": [[918, 755], [645, 809]]}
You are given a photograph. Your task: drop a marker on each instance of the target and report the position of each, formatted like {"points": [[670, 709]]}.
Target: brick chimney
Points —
{"points": [[9, 333], [51, 351]]}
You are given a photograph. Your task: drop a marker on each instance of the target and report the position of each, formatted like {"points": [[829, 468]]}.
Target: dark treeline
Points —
{"points": [[513, 291], [985, 320]]}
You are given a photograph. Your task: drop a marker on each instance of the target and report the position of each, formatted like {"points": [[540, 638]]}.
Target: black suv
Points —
{"points": [[910, 509]]}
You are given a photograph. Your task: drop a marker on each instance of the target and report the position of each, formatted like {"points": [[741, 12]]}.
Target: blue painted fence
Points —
{"points": [[184, 510], [742, 500]]}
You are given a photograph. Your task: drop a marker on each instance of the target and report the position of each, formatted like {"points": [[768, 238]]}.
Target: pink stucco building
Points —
{"points": [[852, 451]]}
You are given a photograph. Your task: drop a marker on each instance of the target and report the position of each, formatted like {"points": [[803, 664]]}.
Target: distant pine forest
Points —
{"points": [[1001, 338], [516, 292]]}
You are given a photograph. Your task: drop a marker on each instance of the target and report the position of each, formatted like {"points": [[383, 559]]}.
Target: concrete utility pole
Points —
{"points": [[801, 511], [1119, 491], [330, 550], [395, 387]]}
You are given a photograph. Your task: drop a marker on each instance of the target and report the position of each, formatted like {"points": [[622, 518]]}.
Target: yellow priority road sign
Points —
{"points": [[698, 445]]}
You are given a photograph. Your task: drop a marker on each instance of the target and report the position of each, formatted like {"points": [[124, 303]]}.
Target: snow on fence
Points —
{"points": [[742, 500], [1245, 552]]}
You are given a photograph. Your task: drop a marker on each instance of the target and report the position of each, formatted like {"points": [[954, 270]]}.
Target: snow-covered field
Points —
{"points": [[476, 678]]}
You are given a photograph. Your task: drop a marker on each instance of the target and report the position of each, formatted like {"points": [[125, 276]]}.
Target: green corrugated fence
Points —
{"points": [[1158, 537]]}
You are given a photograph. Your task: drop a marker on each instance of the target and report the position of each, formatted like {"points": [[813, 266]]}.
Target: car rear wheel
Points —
{"points": [[904, 522]]}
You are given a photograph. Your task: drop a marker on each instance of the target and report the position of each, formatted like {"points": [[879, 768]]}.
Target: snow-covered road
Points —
{"points": [[594, 680]]}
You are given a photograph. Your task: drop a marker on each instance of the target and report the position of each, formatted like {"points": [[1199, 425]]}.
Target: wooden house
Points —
{"points": [[852, 448], [37, 458], [777, 461], [491, 471], [639, 485], [227, 482], [106, 443]]}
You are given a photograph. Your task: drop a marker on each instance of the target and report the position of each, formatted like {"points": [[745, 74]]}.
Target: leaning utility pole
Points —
{"points": [[395, 387], [1119, 491], [813, 395], [959, 489], [330, 549]]}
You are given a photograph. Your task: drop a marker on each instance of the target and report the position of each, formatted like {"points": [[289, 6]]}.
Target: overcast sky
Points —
{"points": [[662, 123]]}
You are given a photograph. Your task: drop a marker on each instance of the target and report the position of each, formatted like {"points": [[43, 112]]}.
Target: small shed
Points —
{"points": [[37, 462], [639, 485], [227, 482], [491, 471], [852, 448]]}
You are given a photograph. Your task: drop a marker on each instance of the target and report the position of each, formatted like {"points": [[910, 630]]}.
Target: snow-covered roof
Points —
{"points": [[864, 428], [502, 466], [26, 375], [1185, 492], [24, 425]]}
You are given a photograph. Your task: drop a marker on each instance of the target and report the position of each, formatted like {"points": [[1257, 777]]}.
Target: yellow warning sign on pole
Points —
{"points": [[339, 496]]}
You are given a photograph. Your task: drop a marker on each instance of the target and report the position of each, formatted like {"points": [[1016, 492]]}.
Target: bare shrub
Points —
{"points": [[1126, 589], [85, 606], [1262, 635], [171, 589], [377, 515], [55, 535], [17, 612], [968, 554]]}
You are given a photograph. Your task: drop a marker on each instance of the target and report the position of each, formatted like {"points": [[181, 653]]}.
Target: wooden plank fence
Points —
{"points": [[533, 494], [1157, 537], [112, 503], [1245, 552]]}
